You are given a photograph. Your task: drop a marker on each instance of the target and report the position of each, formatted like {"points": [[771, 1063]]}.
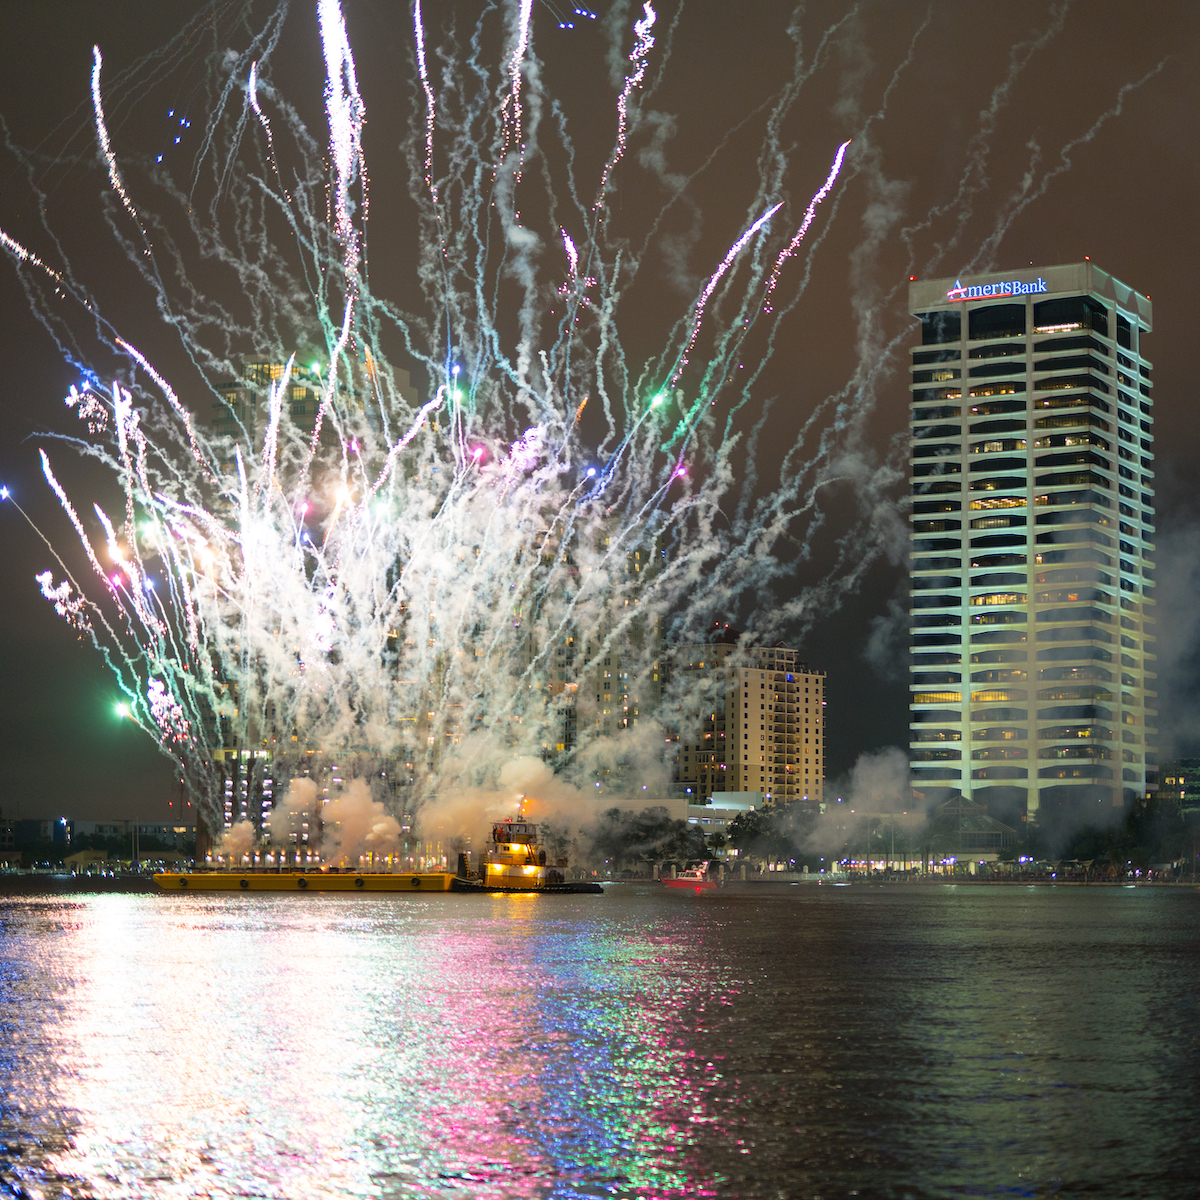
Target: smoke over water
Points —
{"points": [[442, 547]]}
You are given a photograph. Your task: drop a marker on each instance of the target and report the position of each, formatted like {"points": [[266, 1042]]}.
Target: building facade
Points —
{"points": [[1179, 783], [604, 671], [1032, 548], [759, 725], [242, 406], [178, 836]]}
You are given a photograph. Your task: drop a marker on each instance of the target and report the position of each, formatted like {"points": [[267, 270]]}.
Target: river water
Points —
{"points": [[920, 1041]]}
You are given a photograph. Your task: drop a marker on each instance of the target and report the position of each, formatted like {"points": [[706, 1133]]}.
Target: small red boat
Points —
{"points": [[696, 878]]}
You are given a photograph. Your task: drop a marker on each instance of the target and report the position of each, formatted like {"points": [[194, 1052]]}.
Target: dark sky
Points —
{"points": [[1119, 187]]}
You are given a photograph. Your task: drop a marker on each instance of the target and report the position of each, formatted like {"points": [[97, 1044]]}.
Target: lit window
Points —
{"points": [[998, 502]]}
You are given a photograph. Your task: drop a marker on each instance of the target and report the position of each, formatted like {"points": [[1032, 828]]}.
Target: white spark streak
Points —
{"points": [[809, 214], [711, 286], [106, 149]]}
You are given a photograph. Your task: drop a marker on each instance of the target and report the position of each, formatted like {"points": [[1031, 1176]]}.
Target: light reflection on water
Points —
{"points": [[813, 1042]]}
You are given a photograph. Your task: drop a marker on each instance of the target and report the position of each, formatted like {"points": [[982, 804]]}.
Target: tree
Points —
{"points": [[620, 836], [747, 833]]}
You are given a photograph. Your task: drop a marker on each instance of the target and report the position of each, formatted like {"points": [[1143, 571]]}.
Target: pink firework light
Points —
{"points": [[809, 214]]}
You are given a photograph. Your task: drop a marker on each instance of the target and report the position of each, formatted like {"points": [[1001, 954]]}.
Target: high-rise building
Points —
{"points": [[757, 725], [1032, 541], [242, 405], [612, 652]]}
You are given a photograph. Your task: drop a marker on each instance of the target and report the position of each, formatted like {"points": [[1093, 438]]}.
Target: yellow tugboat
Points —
{"points": [[515, 861]]}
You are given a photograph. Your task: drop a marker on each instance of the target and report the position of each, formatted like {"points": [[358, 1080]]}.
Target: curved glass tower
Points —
{"points": [[1032, 474]]}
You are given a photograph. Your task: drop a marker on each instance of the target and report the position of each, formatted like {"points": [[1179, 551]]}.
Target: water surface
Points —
{"points": [[925, 1041]]}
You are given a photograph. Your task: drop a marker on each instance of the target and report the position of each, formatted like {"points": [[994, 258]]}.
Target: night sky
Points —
{"points": [[945, 156]]}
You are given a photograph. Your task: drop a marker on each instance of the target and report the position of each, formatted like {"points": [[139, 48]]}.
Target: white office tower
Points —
{"points": [[1032, 542]]}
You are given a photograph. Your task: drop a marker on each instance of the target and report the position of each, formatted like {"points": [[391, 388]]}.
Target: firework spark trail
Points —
{"points": [[430, 101], [346, 112], [73, 610], [73, 516], [801, 479], [106, 149], [510, 109], [122, 665], [711, 286], [134, 472], [643, 43], [572, 255], [809, 214], [411, 597], [252, 100], [23, 255], [71, 607], [402, 444], [270, 452]]}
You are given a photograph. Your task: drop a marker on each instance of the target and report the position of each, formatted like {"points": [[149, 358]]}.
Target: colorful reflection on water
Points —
{"points": [[811, 1042]]}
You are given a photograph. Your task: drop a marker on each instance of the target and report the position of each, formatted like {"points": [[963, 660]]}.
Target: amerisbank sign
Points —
{"points": [[993, 291]]}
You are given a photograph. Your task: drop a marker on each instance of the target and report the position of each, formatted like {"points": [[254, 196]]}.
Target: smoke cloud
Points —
{"points": [[886, 650], [879, 781], [292, 810], [356, 825], [236, 842], [1176, 627]]}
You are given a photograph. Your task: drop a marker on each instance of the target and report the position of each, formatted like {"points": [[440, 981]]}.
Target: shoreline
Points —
{"points": [[17, 885]]}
